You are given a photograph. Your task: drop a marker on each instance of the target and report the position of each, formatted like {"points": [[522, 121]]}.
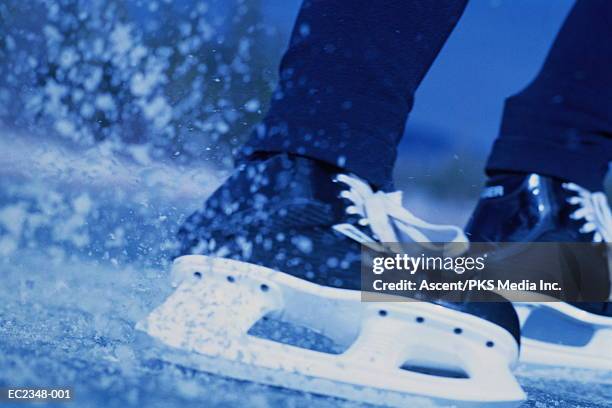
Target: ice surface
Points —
{"points": [[84, 241]]}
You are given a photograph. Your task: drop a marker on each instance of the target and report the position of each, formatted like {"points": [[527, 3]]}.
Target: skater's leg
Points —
{"points": [[347, 85], [559, 129], [348, 78], [561, 124]]}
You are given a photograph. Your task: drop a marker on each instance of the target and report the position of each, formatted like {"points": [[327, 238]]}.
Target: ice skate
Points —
{"points": [[280, 240], [536, 208]]}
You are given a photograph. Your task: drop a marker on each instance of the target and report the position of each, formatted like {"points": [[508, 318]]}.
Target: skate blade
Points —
{"points": [[207, 319], [561, 335]]}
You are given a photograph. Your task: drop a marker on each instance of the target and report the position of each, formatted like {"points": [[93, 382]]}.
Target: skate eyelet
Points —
{"points": [[458, 330], [490, 344], [420, 319], [231, 279], [198, 275], [382, 313], [264, 287]]}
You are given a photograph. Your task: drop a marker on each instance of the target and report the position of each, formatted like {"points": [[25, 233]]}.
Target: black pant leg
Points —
{"points": [[348, 78], [561, 124]]}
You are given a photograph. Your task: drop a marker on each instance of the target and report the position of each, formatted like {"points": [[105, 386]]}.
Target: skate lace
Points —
{"points": [[593, 208], [390, 222]]}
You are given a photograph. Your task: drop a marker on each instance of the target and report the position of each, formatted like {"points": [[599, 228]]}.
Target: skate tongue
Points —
{"points": [[391, 222], [413, 229]]}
